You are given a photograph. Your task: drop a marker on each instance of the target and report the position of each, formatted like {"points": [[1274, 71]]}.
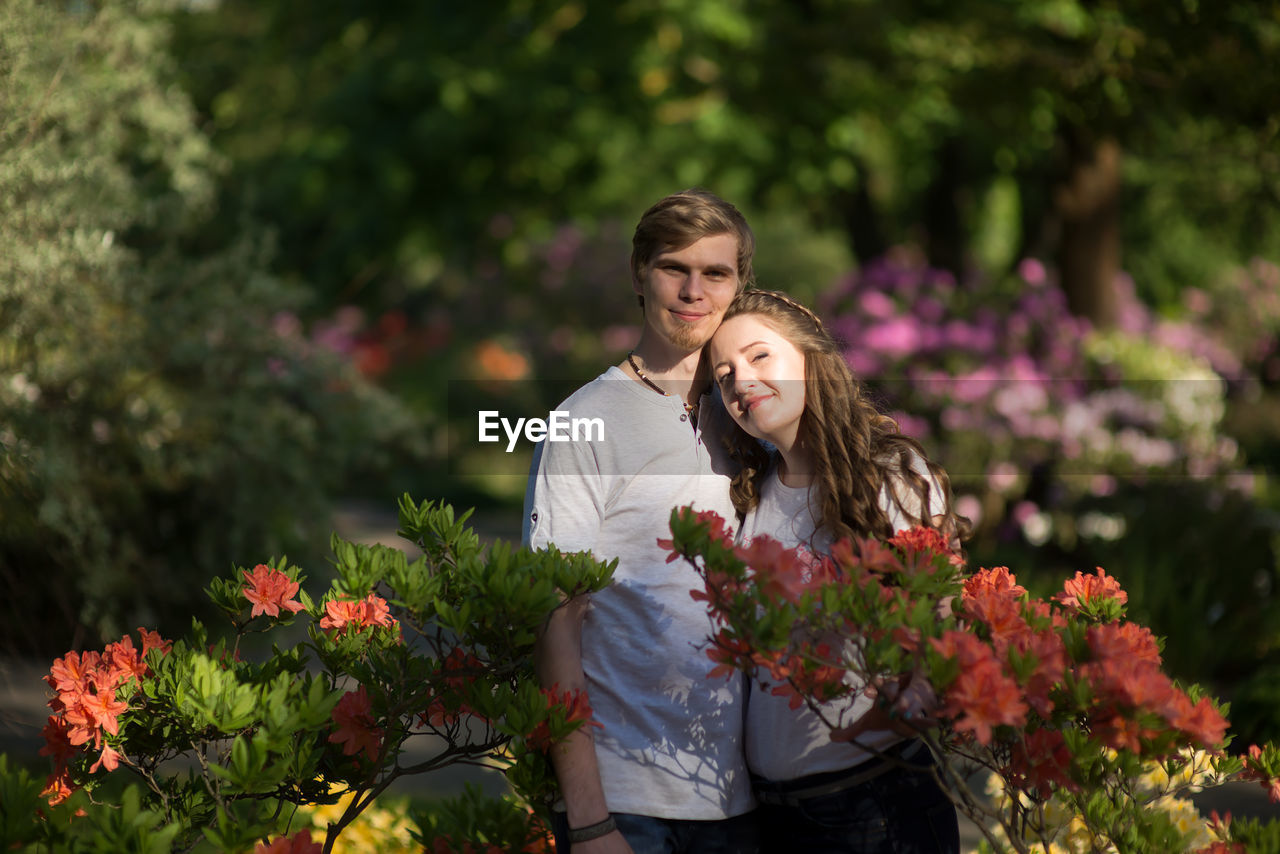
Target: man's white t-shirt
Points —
{"points": [[671, 742]]}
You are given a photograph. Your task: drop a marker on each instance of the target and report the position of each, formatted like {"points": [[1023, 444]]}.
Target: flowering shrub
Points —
{"points": [[1058, 698], [1155, 788], [1002, 372], [437, 653]]}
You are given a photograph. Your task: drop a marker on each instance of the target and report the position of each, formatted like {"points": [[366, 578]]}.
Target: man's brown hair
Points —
{"points": [[684, 218]]}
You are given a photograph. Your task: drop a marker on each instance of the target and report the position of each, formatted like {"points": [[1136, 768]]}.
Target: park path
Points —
{"points": [[23, 694]]}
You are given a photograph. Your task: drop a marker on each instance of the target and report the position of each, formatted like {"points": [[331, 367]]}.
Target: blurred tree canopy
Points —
{"points": [[392, 142], [160, 419]]}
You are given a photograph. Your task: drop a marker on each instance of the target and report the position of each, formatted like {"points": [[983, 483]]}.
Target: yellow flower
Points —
{"points": [[382, 828]]}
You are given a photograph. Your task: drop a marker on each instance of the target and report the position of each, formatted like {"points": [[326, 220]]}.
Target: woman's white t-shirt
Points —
{"points": [[784, 743]]}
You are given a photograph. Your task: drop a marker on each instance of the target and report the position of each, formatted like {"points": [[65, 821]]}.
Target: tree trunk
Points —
{"points": [[944, 232], [1088, 207], [861, 221]]}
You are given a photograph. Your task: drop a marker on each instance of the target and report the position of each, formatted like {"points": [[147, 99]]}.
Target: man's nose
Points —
{"points": [[693, 286]]}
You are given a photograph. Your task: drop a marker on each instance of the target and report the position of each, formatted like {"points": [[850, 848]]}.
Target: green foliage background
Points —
{"points": [[155, 427], [189, 191]]}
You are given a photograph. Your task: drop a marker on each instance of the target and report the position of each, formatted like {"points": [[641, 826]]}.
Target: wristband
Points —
{"points": [[593, 831]]}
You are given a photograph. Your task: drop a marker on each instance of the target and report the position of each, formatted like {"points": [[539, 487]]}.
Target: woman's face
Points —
{"points": [[761, 377]]}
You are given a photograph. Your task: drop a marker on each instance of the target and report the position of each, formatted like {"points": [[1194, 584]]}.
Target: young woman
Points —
{"points": [[836, 468]]}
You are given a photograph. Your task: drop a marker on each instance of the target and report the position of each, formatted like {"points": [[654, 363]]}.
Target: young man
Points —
{"points": [[664, 773]]}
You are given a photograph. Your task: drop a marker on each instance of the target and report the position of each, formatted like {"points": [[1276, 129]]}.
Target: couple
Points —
{"points": [[681, 761]]}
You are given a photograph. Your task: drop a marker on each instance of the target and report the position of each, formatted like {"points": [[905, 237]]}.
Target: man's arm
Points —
{"points": [[556, 480], [559, 661]]}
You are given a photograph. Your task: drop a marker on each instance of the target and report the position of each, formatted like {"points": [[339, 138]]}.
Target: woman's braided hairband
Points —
{"points": [[786, 300]]}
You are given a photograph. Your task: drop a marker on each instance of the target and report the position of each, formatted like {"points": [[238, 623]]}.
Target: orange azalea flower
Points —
{"points": [[270, 590], [718, 530], [73, 673], [963, 647], [921, 545], [1051, 665], [993, 597], [1202, 722], [1121, 732], [726, 653], [368, 612], [299, 843], [996, 580], [58, 786], [356, 732], [982, 696], [57, 744], [93, 690], [780, 573], [1123, 641], [493, 361], [108, 759], [152, 640], [1083, 589], [338, 613], [92, 713], [126, 661], [375, 612], [1255, 770], [822, 683], [866, 555], [104, 710], [1000, 612]]}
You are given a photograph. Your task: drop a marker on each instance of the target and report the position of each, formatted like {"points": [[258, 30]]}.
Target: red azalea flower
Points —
{"points": [[574, 702], [355, 730], [1041, 760], [299, 843]]}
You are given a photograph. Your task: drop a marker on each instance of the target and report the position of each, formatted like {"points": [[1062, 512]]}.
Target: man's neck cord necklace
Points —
{"points": [[691, 408]]}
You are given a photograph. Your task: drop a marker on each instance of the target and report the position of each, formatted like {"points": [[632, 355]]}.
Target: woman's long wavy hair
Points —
{"points": [[856, 451]]}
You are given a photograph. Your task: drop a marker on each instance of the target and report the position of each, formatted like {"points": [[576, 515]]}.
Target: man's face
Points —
{"points": [[686, 291]]}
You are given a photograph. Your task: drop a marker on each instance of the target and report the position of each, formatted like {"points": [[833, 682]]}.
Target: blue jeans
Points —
{"points": [[649, 835], [902, 811]]}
